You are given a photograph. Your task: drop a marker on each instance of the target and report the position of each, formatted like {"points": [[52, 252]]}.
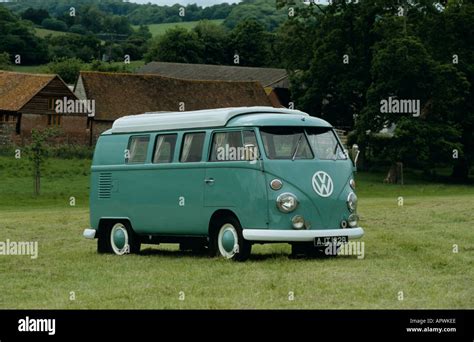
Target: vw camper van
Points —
{"points": [[222, 180]]}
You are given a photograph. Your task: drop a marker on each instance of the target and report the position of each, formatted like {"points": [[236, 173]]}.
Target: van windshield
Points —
{"points": [[324, 143], [301, 143], [286, 143]]}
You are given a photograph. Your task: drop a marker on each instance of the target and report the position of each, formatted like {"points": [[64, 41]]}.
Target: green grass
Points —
{"points": [[42, 32], [159, 29], [35, 69], [407, 249]]}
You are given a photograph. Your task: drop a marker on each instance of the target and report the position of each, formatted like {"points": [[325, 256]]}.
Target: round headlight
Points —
{"points": [[286, 202], [352, 202], [353, 220], [298, 222]]}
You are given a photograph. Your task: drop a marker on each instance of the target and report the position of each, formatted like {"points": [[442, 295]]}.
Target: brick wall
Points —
{"points": [[7, 132], [73, 129], [98, 127]]}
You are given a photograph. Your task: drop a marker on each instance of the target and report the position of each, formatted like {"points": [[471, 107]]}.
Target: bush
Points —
{"points": [[97, 65], [71, 152], [5, 63], [54, 24], [67, 68], [79, 29]]}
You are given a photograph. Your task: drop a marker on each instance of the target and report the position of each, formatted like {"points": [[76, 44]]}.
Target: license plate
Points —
{"points": [[326, 240]]}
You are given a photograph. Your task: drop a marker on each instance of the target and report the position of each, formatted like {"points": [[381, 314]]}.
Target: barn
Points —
{"points": [[275, 81], [27, 101], [119, 94]]}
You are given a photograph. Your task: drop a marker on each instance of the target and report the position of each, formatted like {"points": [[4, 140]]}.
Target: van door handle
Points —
{"points": [[209, 181]]}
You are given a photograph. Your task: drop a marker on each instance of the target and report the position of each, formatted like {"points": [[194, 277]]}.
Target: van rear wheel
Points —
{"points": [[228, 241], [118, 238]]}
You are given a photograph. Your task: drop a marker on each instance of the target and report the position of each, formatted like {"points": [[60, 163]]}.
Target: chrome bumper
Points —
{"points": [[89, 233], [274, 235]]}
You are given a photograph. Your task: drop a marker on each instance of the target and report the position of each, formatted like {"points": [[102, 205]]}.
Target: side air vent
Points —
{"points": [[105, 185]]}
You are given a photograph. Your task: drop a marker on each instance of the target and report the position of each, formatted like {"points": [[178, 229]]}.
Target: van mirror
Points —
{"points": [[355, 154], [250, 152]]}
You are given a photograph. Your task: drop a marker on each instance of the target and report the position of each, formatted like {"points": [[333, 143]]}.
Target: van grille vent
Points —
{"points": [[105, 185]]}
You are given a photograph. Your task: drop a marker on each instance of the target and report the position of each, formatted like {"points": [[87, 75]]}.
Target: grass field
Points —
{"points": [[42, 32], [159, 29], [407, 248]]}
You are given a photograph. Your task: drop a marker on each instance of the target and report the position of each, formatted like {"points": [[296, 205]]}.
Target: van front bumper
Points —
{"points": [[274, 235]]}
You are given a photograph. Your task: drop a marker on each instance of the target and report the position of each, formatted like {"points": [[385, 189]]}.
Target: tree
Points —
{"points": [[250, 41], [37, 152], [35, 15], [17, 38], [5, 63], [136, 44], [262, 11], [85, 47], [446, 38], [176, 45], [214, 41], [403, 69], [92, 18], [67, 68], [54, 24]]}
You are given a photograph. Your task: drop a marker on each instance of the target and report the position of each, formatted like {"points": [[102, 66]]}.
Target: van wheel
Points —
{"points": [[228, 241], [118, 238]]}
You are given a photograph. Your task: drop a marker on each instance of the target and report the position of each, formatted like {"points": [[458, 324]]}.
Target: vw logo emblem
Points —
{"points": [[322, 184]]}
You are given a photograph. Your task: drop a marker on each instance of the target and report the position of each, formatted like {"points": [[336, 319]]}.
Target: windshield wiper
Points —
{"points": [[335, 151], [296, 148]]}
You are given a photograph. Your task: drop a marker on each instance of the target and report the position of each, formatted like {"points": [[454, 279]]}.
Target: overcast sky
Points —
{"points": [[184, 2]]}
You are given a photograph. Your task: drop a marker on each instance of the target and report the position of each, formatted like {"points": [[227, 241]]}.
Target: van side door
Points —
{"points": [[234, 177]]}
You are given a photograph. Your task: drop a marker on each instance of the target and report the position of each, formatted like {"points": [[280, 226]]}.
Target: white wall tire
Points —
{"points": [[228, 242], [119, 239]]}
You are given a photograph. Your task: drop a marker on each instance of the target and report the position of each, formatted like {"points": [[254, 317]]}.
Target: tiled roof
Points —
{"points": [[119, 94], [17, 89], [268, 77]]}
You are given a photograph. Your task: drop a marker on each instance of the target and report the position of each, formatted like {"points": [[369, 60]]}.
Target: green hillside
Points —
{"points": [[41, 32], [159, 29]]}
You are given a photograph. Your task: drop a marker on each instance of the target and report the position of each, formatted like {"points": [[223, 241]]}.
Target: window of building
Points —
{"points": [[191, 148], [54, 120]]}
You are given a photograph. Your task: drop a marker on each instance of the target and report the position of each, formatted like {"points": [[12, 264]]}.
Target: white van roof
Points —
{"points": [[163, 121]]}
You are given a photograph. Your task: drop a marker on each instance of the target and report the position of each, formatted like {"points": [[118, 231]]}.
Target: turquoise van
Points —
{"points": [[222, 180]]}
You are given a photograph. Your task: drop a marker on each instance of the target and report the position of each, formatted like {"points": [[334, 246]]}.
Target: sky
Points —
{"points": [[184, 2]]}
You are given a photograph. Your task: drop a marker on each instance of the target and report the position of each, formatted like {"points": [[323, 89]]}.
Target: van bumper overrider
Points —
{"points": [[89, 233], [274, 235]]}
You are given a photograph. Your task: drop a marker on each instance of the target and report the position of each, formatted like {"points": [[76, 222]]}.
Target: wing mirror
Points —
{"points": [[355, 154]]}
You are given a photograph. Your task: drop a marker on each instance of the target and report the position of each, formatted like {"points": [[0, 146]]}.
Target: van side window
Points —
{"points": [[225, 146], [137, 149], [231, 146], [251, 139], [191, 148], [164, 148]]}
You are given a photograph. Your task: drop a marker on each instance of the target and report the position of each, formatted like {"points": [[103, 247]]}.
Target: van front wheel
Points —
{"points": [[230, 242]]}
